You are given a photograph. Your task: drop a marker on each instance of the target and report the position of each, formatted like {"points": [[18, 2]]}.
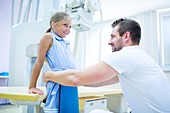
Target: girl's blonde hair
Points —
{"points": [[58, 16]]}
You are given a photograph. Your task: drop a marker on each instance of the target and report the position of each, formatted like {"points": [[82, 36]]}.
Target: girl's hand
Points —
{"points": [[36, 91]]}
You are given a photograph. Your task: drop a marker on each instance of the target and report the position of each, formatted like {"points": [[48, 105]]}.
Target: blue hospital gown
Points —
{"points": [[60, 99]]}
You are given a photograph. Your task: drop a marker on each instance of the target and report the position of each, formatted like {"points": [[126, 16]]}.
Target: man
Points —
{"points": [[143, 82]]}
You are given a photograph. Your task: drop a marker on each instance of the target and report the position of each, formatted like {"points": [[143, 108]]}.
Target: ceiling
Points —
{"points": [[112, 9]]}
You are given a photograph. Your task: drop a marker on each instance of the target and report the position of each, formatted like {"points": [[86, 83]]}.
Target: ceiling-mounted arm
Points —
{"points": [[73, 5], [81, 12]]}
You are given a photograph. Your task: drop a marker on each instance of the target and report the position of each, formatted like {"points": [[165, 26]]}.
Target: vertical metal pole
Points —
{"points": [[12, 12], [26, 17], [37, 10], [75, 44], [20, 10]]}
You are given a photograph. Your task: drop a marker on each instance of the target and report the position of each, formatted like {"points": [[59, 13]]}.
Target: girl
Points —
{"points": [[56, 50]]}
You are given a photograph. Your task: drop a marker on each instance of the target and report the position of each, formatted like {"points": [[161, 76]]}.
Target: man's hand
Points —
{"points": [[36, 91], [45, 77]]}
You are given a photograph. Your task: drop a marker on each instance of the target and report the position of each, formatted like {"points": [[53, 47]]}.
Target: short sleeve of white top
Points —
{"points": [[143, 82]]}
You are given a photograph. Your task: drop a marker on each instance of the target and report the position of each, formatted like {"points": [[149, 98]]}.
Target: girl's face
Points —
{"points": [[62, 28]]}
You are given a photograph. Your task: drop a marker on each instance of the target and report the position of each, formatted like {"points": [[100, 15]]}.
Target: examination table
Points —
{"points": [[20, 96]]}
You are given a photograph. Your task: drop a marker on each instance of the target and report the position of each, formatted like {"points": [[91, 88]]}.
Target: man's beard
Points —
{"points": [[116, 49]]}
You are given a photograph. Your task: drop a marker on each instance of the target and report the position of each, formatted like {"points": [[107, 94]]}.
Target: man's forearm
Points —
{"points": [[94, 74], [114, 80], [66, 77]]}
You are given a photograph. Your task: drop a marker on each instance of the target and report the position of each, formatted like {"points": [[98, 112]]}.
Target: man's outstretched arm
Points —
{"points": [[94, 74]]}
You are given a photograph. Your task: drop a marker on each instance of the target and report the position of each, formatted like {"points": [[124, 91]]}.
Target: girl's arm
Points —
{"points": [[44, 45]]}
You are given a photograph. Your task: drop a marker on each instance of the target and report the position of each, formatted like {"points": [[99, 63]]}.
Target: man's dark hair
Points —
{"points": [[128, 25]]}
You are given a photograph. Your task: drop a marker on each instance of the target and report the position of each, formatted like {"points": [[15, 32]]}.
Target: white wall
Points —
{"points": [[23, 35], [5, 34], [149, 40]]}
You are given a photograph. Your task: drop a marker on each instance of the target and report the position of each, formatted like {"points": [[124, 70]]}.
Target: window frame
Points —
{"points": [[162, 14]]}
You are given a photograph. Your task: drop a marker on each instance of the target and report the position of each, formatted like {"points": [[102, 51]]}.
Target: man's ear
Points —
{"points": [[127, 36]]}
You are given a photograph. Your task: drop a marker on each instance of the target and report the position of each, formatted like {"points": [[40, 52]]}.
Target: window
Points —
{"points": [[164, 38]]}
